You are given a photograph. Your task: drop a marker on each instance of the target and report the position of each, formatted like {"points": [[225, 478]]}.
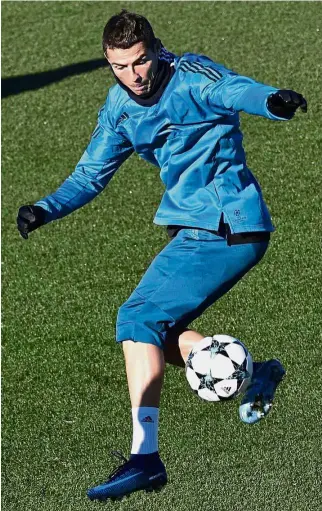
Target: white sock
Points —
{"points": [[145, 430]]}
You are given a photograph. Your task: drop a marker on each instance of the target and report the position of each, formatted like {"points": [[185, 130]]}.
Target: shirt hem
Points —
{"points": [[213, 227]]}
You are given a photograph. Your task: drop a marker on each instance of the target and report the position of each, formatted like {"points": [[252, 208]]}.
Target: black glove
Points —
{"points": [[30, 218], [284, 103]]}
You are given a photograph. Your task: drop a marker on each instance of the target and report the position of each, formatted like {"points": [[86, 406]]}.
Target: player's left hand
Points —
{"points": [[285, 102]]}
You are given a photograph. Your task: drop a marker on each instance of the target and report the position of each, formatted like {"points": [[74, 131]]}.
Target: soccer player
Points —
{"points": [[182, 115]]}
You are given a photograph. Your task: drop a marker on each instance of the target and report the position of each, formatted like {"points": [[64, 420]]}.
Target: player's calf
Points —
{"points": [[178, 347]]}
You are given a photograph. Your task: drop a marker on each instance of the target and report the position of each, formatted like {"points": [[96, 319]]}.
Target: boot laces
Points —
{"points": [[120, 456]]}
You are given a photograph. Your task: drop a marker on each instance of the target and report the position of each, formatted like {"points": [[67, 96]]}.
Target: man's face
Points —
{"points": [[135, 67]]}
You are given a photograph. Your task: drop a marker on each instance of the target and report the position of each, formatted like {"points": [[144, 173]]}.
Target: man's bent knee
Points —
{"points": [[140, 320]]}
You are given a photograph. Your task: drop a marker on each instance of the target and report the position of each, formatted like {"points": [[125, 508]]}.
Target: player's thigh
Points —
{"points": [[221, 267], [186, 277], [145, 316], [195, 271], [175, 256]]}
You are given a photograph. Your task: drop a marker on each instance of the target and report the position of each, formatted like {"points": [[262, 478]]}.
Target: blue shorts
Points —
{"points": [[192, 271]]}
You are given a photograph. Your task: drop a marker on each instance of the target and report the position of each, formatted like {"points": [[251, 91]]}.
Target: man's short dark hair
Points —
{"points": [[125, 29]]}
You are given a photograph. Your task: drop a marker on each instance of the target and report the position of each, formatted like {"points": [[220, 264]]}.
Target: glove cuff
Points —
{"points": [[279, 110], [40, 214]]}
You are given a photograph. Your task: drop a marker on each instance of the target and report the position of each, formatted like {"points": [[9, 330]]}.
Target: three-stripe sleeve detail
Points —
{"points": [[196, 67]]}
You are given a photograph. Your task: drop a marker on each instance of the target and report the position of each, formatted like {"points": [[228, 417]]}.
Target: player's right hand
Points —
{"points": [[30, 218]]}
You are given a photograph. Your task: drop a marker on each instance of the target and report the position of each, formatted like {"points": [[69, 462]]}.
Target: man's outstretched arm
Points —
{"points": [[240, 93], [105, 153]]}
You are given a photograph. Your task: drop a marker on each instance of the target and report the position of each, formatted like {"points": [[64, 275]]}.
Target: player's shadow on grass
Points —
{"points": [[18, 84]]}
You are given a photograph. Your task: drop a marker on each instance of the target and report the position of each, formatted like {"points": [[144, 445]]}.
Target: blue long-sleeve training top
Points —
{"points": [[192, 134]]}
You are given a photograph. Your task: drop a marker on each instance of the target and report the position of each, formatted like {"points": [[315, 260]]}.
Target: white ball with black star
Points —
{"points": [[219, 368]]}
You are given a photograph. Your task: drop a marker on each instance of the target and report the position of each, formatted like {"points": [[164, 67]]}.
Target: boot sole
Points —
{"points": [[156, 487]]}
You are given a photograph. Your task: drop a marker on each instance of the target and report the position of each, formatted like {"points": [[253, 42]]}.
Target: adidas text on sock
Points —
{"points": [[145, 430]]}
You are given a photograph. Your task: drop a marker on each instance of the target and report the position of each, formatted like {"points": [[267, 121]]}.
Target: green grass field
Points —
{"points": [[65, 399]]}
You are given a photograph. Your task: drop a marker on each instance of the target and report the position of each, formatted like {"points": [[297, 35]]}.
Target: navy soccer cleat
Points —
{"points": [[129, 477], [259, 395]]}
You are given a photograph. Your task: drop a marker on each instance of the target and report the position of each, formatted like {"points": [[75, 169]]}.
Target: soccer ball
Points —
{"points": [[219, 368]]}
